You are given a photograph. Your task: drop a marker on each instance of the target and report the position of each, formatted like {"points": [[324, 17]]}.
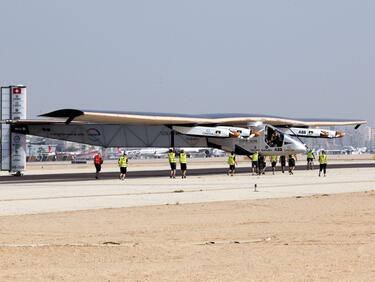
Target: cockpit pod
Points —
{"points": [[277, 141], [273, 137]]}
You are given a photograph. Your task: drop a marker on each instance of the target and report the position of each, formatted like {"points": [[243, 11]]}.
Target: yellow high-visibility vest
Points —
{"points": [[172, 157], [273, 158], [255, 157], [323, 159], [123, 161], [232, 160], [310, 154], [183, 158]]}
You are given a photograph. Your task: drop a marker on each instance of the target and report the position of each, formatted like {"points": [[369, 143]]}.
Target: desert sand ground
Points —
{"points": [[314, 238], [296, 228]]}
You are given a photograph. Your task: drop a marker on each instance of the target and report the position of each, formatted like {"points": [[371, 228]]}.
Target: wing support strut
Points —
{"points": [[295, 135], [172, 138]]}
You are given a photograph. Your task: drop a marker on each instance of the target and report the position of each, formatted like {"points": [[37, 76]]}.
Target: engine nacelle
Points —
{"points": [[238, 131], [314, 132]]}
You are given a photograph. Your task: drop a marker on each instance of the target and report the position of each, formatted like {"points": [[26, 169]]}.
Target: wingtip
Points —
{"points": [[63, 113]]}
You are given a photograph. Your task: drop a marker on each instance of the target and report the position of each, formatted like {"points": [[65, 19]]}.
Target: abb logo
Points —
{"points": [[16, 90]]}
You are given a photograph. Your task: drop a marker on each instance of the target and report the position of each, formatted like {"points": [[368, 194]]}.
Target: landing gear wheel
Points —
{"points": [[18, 173]]}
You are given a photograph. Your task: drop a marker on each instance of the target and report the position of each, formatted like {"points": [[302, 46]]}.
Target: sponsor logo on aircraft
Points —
{"points": [[93, 134], [16, 139]]}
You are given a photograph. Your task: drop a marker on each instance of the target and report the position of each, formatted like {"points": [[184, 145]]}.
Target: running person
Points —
{"points": [[254, 162], [183, 163], [232, 163], [273, 163], [261, 164], [98, 161], [282, 163], [323, 162], [123, 164], [310, 159], [172, 163], [291, 163]]}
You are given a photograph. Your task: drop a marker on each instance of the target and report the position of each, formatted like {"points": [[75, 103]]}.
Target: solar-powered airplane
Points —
{"points": [[241, 133]]}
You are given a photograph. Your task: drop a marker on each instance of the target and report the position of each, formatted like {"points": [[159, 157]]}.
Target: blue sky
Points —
{"points": [[287, 58]]}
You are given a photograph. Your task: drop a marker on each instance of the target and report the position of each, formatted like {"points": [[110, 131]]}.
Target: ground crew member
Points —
{"points": [[273, 163], [172, 162], [123, 164], [183, 163], [254, 162], [98, 161], [232, 163], [261, 164], [282, 163], [323, 162], [292, 163], [310, 159]]}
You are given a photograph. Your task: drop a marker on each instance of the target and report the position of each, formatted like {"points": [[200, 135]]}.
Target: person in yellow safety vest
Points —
{"points": [[310, 159], [273, 160], [323, 162], [172, 163], [232, 164], [254, 162], [183, 162], [123, 164], [292, 163]]}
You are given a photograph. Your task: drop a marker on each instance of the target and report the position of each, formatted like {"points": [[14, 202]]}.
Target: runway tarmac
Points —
{"points": [[58, 193], [66, 172]]}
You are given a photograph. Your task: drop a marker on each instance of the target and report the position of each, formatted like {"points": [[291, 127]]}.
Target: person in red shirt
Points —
{"points": [[98, 161]]}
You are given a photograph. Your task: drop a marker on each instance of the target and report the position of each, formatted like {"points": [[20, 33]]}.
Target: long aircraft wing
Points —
{"points": [[108, 117]]}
